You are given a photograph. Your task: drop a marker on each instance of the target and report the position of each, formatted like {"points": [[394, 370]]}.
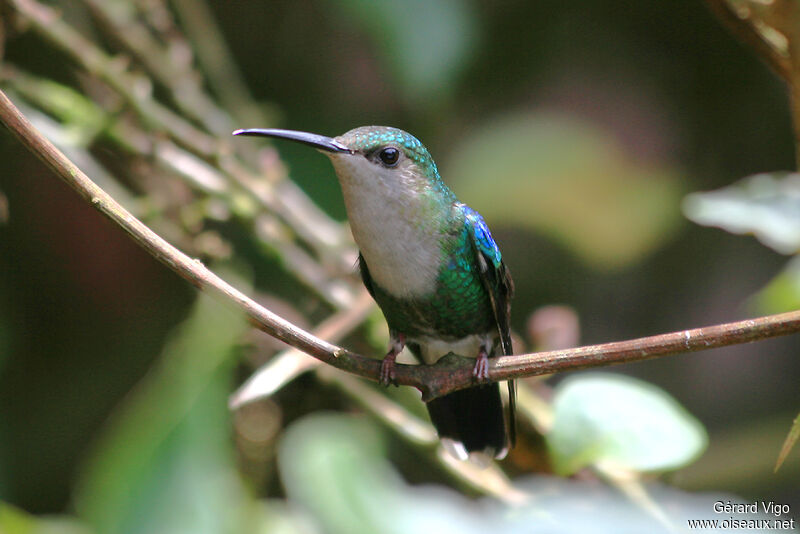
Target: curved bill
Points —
{"points": [[317, 141]]}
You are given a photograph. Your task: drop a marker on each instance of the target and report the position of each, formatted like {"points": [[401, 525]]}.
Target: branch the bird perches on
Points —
{"points": [[449, 374]]}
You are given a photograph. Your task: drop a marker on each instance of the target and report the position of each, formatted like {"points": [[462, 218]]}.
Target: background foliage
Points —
{"points": [[576, 131]]}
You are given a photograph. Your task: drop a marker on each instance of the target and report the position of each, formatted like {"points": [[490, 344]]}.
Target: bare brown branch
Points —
{"points": [[753, 23], [452, 372], [744, 29]]}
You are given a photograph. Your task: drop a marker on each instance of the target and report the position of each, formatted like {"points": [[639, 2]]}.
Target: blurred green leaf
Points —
{"points": [[621, 421], [15, 521], [165, 463], [782, 293], [563, 506], [764, 205], [376, 330], [82, 119], [334, 466], [788, 445], [571, 181], [426, 43], [279, 517]]}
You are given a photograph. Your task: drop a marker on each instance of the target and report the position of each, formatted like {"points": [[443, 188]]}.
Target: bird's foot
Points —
{"points": [[388, 375], [481, 369]]}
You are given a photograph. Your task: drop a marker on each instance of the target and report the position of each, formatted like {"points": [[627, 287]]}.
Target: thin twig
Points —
{"points": [[192, 270], [132, 88], [745, 31], [287, 365], [200, 176], [216, 60], [452, 372], [784, 17], [184, 85], [326, 234]]}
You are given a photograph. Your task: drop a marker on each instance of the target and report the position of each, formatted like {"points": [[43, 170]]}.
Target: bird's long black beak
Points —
{"points": [[317, 141]]}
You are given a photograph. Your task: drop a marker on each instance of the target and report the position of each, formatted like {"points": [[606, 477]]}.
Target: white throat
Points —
{"points": [[394, 223]]}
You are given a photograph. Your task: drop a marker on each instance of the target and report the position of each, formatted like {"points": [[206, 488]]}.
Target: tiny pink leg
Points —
{"points": [[387, 365], [481, 369]]}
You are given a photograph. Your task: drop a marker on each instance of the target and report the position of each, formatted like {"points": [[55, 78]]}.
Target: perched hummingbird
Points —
{"points": [[432, 266]]}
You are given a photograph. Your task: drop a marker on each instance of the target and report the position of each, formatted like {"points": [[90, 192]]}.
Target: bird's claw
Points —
{"points": [[388, 375], [481, 369]]}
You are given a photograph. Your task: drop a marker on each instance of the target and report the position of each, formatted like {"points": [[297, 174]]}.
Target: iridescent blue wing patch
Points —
{"points": [[500, 287], [482, 237]]}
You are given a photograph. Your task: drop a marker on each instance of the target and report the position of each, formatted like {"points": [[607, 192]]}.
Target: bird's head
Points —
{"points": [[371, 155]]}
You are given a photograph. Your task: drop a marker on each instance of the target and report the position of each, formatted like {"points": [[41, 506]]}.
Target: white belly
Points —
{"points": [[469, 347]]}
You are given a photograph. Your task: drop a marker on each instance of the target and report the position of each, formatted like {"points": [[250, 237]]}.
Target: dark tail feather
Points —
{"points": [[473, 417]]}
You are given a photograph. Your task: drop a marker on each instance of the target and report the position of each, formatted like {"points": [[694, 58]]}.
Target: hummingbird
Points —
{"points": [[432, 266]]}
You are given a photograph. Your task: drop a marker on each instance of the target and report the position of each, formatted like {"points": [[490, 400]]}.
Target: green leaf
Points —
{"points": [[15, 521], [334, 467], [622, 421], [425, 43], [81, 117], [764, 205], [165, 462], [788, 445], [782, 293], [571, 181], [565, 506]]}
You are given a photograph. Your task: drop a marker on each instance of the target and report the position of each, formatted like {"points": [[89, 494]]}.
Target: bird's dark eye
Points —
{"points": [[389, 156]]}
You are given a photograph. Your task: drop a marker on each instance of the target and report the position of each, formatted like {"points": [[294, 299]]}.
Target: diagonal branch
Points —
{"points": [[452, 372], [277, 198], [745, 30]]}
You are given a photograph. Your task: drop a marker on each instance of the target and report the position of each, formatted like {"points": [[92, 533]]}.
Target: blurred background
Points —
{"points": [[576, 130]]}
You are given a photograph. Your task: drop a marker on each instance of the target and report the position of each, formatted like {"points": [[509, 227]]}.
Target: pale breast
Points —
{"points": [[396, 228]]}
